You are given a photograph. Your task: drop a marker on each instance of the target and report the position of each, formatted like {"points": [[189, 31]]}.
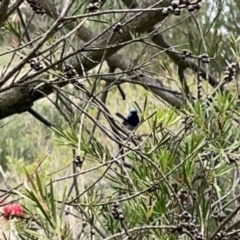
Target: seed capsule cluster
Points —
{"points": [[69, 71], [154, 186], [188, 223], [204, 58], [35, 64], [177, 5], [78, 161], [117, 213], [94, 6], [230, 72], [185, 54], [117, 28], [36, 6]]}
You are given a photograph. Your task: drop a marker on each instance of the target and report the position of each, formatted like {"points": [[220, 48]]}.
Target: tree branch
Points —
{"points": [[3, 11], [159, 40], [18, 100]]}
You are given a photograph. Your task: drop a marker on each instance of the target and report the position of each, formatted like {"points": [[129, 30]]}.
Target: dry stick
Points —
{"points": [[79, 139], [3, 11], [75, 183], [111, 121], [25, 27], [74, 169], [100, 232], [35, 49], [86, 171], [99, 125], [13, 7], [92, 185], [159, 40], [20, 47], [103, 99], [56, 106], [19, 43], [87, 35], [61, 100], [48, 89], [40, 118], [120, 152]]}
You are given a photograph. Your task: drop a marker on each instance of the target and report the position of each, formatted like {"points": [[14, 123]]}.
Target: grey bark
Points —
{"points": [[21, 99]]}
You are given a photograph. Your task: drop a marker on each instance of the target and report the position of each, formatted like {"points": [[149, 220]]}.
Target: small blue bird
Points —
{"points": [[131, 121]]}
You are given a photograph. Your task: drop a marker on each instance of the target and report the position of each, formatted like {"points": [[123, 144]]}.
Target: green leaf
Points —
{"points": [[14, 28], [39, 184], [150, 210], [52, 200]]}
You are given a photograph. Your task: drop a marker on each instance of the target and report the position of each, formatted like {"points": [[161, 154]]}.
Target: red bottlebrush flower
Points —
{"points": [[13, 210]]}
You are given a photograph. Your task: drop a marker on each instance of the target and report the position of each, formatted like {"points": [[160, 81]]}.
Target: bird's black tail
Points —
{"points": [[121, 116]]}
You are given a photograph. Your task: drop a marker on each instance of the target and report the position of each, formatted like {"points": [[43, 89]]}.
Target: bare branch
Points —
{"points": [[20, 100], [3, 11]]}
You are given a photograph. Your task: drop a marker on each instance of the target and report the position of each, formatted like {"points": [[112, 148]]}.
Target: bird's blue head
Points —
{"points": [[132, 113], [132, 119]]}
